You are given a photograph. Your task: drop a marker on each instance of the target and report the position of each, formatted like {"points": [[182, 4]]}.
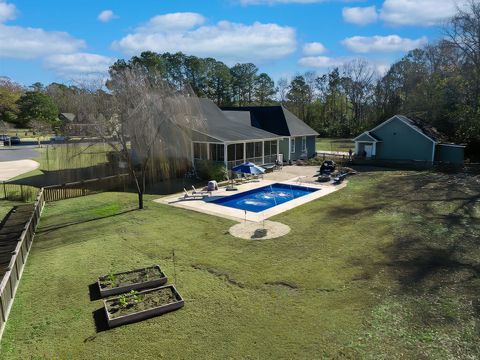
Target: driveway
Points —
{"points": [[10, 169]]}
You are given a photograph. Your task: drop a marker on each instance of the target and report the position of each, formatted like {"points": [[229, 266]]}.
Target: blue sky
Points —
{"points": [[63, 41]]}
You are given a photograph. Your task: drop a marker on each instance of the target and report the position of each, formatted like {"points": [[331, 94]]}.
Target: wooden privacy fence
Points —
{"points": [[13, 262], [332, 156], [87, 187]]}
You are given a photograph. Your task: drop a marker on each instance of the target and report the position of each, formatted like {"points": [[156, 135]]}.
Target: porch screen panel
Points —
{"points": [[258, 149], [216, 152], [250, 150], [266, 147], [199, 151], [238, 151], [231, 152]]}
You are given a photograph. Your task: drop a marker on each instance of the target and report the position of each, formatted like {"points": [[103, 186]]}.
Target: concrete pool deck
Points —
{"points": [[206, 206]]}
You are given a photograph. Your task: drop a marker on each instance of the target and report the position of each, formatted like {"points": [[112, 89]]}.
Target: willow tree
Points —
{"points": [[146, 121]]}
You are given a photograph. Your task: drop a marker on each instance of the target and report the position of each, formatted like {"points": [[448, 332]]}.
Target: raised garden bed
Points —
{"points": [[136, 306], [119, 283]]}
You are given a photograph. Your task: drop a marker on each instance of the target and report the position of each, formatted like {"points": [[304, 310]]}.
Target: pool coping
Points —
{"points": [[207, 207]]}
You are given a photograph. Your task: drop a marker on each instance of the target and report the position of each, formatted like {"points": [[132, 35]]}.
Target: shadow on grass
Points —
{"points": [[94, 292], [100, 320], [436, 240], [48, 229]]}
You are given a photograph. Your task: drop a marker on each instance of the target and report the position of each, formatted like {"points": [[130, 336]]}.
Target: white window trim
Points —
{"points": [[304, 144], [292, 146]]}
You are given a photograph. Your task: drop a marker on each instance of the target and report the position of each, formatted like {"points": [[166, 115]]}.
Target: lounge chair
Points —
{"points": [[200, 193], [186, 195], [257, 177], [238, 179], [339, 179]]}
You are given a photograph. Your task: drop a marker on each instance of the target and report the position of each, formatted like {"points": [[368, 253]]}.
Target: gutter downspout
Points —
{"points": [[433, 152], [289, 148]]}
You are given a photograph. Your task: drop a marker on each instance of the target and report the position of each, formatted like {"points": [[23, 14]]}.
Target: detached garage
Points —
{"points": [[401, 138]]}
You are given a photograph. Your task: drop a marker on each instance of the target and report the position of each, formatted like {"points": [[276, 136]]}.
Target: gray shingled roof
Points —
{"points": [[68, 116], [296, 126], [219, 127], [275, 119], [424, 128], [242, 117]]}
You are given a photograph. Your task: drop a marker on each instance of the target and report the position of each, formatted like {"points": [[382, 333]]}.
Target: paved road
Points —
{"points": [[18, 153]]}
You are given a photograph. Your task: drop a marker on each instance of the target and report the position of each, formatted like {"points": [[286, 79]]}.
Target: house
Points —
{"points": [[231, 141], [259, 134], [297, 138], [402, 138]]}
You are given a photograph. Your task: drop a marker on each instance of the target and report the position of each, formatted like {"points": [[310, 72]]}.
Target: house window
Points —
{"points": [[304, 144], [292, 145], [199, 151]]}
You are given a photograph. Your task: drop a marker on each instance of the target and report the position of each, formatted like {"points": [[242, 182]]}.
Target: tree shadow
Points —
{"points": [[55, 177], [432, 249], [48, 229]]}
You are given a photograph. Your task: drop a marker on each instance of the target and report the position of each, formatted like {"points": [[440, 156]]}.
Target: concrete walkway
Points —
{"points": [[11, 169]]}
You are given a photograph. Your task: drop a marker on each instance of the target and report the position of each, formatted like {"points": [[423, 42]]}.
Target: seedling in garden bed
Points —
{"points": [[136, 306], [118, 283]]}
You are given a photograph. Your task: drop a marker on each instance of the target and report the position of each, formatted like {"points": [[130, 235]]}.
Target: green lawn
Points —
{"points": [[330, 144], [386, 268], [6, 206]]}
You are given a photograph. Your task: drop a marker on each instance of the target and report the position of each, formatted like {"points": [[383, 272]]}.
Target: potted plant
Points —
{"points": [[140, 305], [119, 283]]}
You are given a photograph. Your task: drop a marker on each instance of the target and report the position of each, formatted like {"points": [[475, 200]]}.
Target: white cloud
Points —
{"points": [[172, 22], [7, 11], [106, 16], [314, 48], [78, 64], [360, 15], [322, 62], [274, 2], [389, 43], [230, 42], [28, 43], [325, 63], [419, 12]]}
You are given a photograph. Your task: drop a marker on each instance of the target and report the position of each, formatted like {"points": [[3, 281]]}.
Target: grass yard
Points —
{"points": [[330, 144], [6, 206], [387, 268]]}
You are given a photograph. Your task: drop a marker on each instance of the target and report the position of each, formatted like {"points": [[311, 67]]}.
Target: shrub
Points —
{"points": [[208, 170]]}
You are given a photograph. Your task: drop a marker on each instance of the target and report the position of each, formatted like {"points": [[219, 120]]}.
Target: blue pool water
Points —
{"points": [[263, 198]]}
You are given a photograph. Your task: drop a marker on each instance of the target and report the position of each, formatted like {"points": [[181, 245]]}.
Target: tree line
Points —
{"points": [[439, 84]]}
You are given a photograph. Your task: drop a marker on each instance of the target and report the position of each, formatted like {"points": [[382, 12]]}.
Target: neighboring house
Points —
{"points": [[66, 117], [297, 138], [231, 141], [402, 138]]}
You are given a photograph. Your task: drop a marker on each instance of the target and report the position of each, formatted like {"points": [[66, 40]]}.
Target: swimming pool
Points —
{"points": [[265, 197]]}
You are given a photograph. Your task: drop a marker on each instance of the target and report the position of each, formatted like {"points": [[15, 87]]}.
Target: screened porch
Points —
{"points": [[232, 154]]}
